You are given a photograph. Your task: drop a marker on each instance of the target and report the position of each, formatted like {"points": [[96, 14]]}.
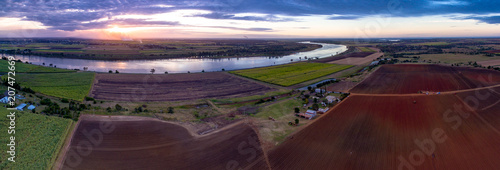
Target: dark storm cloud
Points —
{"points": [[69, 14], [487, 19], [344, 17], [218, 15], [121, 22]]}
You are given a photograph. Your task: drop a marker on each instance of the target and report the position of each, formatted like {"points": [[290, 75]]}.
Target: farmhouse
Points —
{"points": [[309, 114]]}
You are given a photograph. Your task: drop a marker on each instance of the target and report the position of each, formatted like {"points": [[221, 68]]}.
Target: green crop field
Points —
{"points": [[280, 109], [64, 85], [366, 49], [29, 68], [290, 74], [38, 138]]}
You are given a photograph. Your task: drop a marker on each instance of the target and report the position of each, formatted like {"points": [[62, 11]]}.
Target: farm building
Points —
{"points": [[31, 107], [321, 111], [18, 96], [4, 100], [320, 90], [21, 106], [374, 63], [331, 99], [309, 114]]}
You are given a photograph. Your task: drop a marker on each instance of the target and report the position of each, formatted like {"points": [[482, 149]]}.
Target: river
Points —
{"points": [[183, 65]]}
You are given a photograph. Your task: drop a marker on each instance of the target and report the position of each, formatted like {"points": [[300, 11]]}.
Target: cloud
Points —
{"points": [[449, 2], [344, 17], [486, 19], [218, 15], [244, 29], [70, 14]]}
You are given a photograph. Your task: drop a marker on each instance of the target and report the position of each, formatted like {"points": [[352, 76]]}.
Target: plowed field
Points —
{"points": [[174, 87], [389, 132], [412, 78], [143, 143]]}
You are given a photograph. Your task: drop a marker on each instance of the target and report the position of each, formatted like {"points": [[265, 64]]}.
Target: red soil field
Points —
{"points": [[393, 132], [493, 51], [145, 143], [486, 103], [412, 78], [173, 87], [342, 86]]}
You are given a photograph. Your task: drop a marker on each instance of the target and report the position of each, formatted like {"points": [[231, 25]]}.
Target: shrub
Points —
{"points": [[118, 107], [65, 100], [45, 102]]}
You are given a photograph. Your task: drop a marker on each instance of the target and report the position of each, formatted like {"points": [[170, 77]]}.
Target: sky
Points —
{"points": [[142, 19]]}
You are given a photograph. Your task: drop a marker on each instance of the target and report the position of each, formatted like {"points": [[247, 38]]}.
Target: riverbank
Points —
{"points": [[157, 49], [184, 65]]}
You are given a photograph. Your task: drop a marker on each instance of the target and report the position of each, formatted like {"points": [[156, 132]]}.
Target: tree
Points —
{"points": [[116, 71], [152, 71], [45, 102], [296, 121], [315, 106], [202, 71], [118, 107], [166, 72], [297, 110], [171, 110], [110, 71], [108, 109], [223, 69]]}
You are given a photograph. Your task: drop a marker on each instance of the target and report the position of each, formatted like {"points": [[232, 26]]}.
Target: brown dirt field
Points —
{"points": [[489, 63], [173, 87], [145, 143], [342, 86], [380, 132], [412, 78], [358, 60]]}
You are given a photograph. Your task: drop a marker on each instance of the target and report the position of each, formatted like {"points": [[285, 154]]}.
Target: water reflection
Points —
{"points": [[184, 65]]}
